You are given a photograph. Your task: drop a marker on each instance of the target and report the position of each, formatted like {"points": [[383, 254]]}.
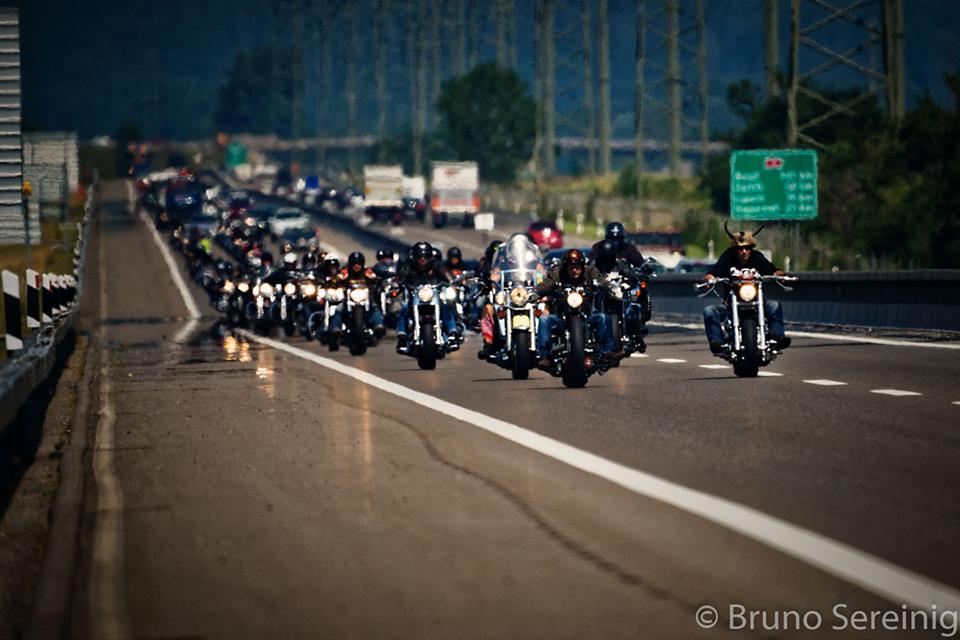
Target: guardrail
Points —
{"points": [[928, 299], [25, 374]]}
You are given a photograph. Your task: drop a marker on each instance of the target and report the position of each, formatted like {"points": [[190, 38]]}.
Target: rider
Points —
{"points": [[742, 254], [454, 264], [356, 273], [311, 259], [483, 298], [422, 269], [572, 270], [606, 259], [617, 234]]}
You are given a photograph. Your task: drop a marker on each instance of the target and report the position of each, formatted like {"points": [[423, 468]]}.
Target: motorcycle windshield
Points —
{"points": [[518, 261]]}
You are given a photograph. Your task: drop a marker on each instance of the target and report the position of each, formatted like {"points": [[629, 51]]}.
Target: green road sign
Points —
{"points": [[778, 184], [236, 154]]}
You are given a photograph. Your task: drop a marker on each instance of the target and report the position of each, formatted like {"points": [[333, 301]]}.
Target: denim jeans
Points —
{"points": [[599, 321], [448, 321], [715, 314]]}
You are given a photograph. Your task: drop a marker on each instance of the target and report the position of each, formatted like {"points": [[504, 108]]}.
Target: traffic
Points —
{"points": [[570, 313]]}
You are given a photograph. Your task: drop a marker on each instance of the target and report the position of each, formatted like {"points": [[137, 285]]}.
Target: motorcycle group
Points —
{"points": [[571, 317]]}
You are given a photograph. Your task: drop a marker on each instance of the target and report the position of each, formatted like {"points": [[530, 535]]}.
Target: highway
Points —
{"points": [[249, 487]]}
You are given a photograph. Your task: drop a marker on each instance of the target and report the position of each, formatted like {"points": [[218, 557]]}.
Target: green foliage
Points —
{"points": [[487, 116], [254, 98], [888, 197], [653, 187]]}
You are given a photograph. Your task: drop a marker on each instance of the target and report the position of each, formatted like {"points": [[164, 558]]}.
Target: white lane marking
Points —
{"points": [[670, 360], [826, 383], [188, 300], [836, 558], [828, 336], [769, 374], [107, 602], [639, 355], [899, 393], [956, 402], [714, 366]]}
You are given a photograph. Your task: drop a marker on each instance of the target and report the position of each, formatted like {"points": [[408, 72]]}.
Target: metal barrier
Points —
{"points": [[51, 307], [928, 299]]}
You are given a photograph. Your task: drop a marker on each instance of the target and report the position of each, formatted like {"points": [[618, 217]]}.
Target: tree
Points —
{"points": [[488, 116], [245, 102]]}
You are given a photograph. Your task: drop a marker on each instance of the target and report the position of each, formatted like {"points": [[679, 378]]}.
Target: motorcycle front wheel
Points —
{"points": [[748, 364], [522, 360], [575, 369], [358, 344], [427, 352]]}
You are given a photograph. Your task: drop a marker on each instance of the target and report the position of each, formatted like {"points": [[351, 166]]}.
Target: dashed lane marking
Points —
{"points": [[857, 567], [714, 366], [827, 383], [956, 402], [639, 355], [899, 393], [827, 336], [670, 360], [769, 374]]}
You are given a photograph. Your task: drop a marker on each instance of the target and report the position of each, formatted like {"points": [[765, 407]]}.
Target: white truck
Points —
{"points": [[454, 191], [383, 190]]}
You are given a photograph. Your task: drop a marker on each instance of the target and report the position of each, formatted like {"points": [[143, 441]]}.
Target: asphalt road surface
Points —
{"points": [[252, 488]]}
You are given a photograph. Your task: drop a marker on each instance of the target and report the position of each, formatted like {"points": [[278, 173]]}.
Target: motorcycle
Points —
{"points": [[259, 307], [310, 303], [517, 270], [575, 347], [356, 332], [283, 307], [324, 326], [425, 339], [747, 345], [623, 291]]}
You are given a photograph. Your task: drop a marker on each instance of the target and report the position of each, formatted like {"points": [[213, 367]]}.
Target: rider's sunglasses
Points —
{"points": [[744, 248]]}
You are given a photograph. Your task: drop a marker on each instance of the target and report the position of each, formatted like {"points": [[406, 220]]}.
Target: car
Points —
{"points": [[238, 203], [545, 234], [287, 218], [693, 265], [183, 198], [665, 245]]}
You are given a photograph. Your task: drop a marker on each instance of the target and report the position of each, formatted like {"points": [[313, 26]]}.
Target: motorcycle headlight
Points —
{"points": [[449, 294], [617, 293], [266, 289], [308, 290], [228, 287], [244, 287], [574, 299], [747, 292], [519, 296], [500, 298], [289, 288], [359, 295], [335, 295], [425, 294]]}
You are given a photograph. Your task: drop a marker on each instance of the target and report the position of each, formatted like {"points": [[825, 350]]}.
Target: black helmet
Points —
{"points": [[606, 256], [491, 250], [266, 256], [383, 253], [421, 250], [574, 257], [356, 258], [454, 252], [616, 233], [286, 247], [331, 263]]}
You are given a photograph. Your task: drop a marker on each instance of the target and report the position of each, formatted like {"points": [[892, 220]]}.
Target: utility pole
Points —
{"points": [[588, 112], [381, 79], [638, 99], [893, 27], [436, 48], [673, 86], [703, 93], [350, 91], [603, 29], [771, 58], [872, 24], [460, 37], [549, 91], [420, 88], [296, 70], [473, 33]]}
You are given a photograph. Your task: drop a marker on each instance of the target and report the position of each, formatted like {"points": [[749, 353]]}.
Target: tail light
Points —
{"points": [[476, 201], [434, 201]]}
